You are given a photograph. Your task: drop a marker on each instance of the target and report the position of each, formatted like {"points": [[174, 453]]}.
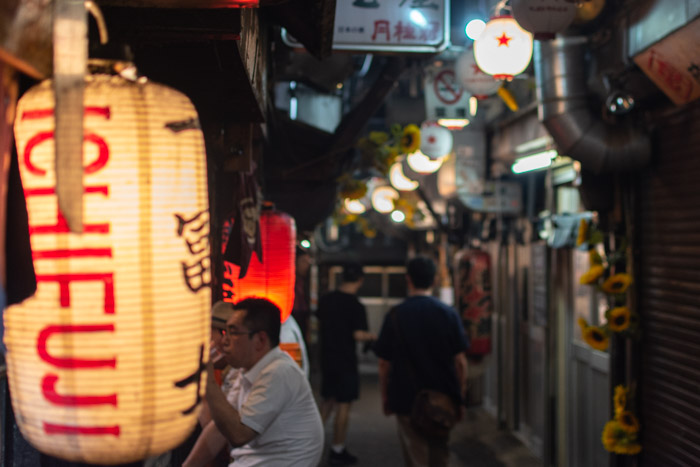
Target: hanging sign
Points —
{"points": [[388, 26], [673, 64], [444, 96]]}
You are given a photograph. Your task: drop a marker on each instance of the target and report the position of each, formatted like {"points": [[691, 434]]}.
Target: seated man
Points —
{"points": [[268, 415]]}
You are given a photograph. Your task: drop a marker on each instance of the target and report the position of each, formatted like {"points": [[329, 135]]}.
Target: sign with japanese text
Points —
{"points": [[673, 64], [389, 26]]}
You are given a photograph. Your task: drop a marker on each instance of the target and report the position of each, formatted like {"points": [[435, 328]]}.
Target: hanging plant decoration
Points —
{"points": [[603, 274], [621, 434]]}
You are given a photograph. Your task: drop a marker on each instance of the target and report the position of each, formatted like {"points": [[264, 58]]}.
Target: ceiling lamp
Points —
{"points": [[106, 361], [504, 49], [383, 199], [399, 180], [354, 206], [544, 18], [472, 79], [435, 140], [537, 161], [422, 164]]}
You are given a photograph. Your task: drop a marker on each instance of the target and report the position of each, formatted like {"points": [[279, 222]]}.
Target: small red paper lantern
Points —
{"points": [[544, 18], [473, 79], [272, 277]]}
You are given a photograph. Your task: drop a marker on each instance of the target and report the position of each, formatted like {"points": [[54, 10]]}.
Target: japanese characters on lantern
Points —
{"points": [[106, 361]]}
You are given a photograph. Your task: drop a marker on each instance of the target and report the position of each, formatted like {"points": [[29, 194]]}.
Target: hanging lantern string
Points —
{"points": [[501, 8], [96, 13]]}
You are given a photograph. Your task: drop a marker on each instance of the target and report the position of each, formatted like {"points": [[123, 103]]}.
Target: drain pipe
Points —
{"points": [[564, 109]]}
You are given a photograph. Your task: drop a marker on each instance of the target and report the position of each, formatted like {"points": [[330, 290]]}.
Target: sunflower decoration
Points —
{"points": [[582, 233], [619, 319], [592, 275], [621, 434], [410, 139], [617, 283], [594, 336], [620, 398], [350, 187], [380, 149]]}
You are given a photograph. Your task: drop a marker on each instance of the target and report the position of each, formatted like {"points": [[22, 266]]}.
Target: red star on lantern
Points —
{"points": [[477, 70], [503, 40]]}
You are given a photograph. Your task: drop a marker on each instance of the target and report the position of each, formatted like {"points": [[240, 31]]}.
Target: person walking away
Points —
{"points": [[343, 322], [421, 345], [269, 416]]}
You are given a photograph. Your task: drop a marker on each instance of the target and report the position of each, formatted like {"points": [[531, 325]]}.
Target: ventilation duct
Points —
{"points": [[564, 109]]}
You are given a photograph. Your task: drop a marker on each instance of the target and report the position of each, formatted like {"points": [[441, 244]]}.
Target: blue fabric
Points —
{"points": [[431, 335]]}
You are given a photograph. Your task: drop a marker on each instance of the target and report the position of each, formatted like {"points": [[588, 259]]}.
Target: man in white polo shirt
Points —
{"points": [[268, 413]]}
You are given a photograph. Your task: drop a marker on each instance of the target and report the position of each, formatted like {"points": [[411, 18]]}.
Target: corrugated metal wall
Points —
{"points": [[669, 287]]}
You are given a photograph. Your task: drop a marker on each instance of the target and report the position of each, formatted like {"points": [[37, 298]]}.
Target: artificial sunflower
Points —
{"points": [[629, 448], [619, 319], [582, 232], [378, 137], [594, 257], [613, 434], [596, 337], [592, 275], [628, 421], [410, 139], [620, 398], [617, 283]]}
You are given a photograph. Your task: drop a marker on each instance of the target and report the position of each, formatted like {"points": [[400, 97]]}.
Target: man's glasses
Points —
{"points": [[240, 333]]}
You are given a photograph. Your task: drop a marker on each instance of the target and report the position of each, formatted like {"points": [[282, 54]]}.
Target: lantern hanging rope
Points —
{"points": [[106, 362]]}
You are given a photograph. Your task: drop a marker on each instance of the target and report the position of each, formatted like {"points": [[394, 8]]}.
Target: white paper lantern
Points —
{"points": [[106, 361], [504, 49], [435, 140], [473, 79], [544, 18], [383, 198]]}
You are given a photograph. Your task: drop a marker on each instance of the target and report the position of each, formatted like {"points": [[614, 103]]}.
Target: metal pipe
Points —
{"points": [[564, 109]]}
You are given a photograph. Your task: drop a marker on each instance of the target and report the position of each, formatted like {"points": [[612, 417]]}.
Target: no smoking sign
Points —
{"points": [[444, 97]]}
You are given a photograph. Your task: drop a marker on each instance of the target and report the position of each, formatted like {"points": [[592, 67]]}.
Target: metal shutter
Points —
{"points": [[669, 294]]}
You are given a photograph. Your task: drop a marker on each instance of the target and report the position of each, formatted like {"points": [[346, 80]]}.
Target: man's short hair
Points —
{"points": [[352, 272], [262, 315], [421, 270]]}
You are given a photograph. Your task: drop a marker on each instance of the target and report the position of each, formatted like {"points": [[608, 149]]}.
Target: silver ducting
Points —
{"points": [[564, 109]]}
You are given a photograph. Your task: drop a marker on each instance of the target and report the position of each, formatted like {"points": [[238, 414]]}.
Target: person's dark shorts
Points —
{"points": [[343, 386]]}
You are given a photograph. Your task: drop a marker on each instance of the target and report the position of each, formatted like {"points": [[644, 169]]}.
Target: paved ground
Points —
{"points": [[475, 442]]}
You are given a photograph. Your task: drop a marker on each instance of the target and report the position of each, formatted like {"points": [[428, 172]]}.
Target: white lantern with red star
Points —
{"points": [[544, 18], [106, 362], [473, 79], [435, 140], [504, 49]]}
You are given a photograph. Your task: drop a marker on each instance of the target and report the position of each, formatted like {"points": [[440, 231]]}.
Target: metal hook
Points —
{"points": [[96, 13]]}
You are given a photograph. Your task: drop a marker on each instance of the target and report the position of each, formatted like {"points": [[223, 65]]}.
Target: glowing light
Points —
{"points": [[473, 105], [383, 199], [421, 163], [474, 28], [399, 180], [305, 243], [418, 18], [453, 123], [537, 161], [398, 216], [354, 206], [504, 49], [129, 292]]}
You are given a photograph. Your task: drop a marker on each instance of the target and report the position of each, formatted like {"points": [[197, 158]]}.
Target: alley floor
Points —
{"points": [[475, 442]]}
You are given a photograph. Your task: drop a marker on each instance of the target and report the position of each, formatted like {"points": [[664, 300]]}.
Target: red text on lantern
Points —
{"points": [[50, 381]]}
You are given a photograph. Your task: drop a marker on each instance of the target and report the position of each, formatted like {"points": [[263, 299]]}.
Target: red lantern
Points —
{"points": [[474, 301], [544, 18], [273, 277]]}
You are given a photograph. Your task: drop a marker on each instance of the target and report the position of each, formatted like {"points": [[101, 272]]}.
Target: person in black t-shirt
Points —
{"points": [[428, 351], [343, 321]]}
